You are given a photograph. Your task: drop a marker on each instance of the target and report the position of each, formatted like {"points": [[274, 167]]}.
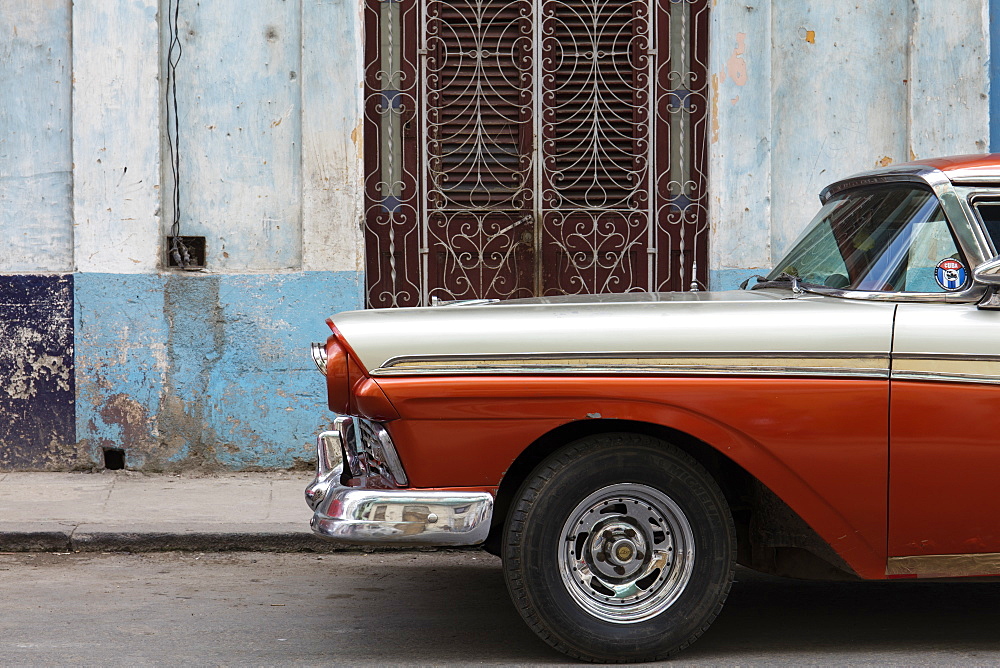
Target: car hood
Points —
{"points": [[638, 326]]}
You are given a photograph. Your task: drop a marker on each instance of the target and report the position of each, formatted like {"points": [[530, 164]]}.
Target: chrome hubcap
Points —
{"points": [[626, 553]]}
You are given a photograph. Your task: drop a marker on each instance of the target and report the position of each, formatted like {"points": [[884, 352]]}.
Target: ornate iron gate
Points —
{"points": [[519, 148]]}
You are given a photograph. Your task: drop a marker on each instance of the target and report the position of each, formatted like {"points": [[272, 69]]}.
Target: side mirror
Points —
{"points": [[988, 273]]}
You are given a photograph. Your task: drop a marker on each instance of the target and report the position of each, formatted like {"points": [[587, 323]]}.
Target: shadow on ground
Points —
{"points": [[462, 612]]}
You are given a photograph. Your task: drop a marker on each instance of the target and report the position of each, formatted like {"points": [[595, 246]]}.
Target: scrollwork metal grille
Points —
{"points": [[534, 147]]}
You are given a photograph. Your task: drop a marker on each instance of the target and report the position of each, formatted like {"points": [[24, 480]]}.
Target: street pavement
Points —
{"points": [[248, 584], [138, 512], [442, 608]]}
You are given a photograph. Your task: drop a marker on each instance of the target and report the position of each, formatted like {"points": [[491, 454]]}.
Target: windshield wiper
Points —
{"points": [[776, 282]]}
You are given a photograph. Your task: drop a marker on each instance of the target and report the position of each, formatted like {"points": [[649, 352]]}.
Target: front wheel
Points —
{"points": [[619, 548]]}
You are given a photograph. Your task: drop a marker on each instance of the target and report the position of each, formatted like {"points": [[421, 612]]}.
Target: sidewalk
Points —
{"points": [[129, 511]]}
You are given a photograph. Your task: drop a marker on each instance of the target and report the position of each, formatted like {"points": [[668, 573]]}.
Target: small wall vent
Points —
{"points": [[114, 459], [188, 253]]}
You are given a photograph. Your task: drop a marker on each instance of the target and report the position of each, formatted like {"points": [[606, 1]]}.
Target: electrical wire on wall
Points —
{"points": [[178, 250]]}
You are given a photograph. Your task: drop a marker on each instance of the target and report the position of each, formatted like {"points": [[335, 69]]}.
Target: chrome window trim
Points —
{"points": [[970, 237], [928, 176], [972, 198], [970, 295]]}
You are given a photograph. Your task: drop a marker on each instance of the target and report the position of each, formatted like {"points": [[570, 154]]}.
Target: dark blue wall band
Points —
{"points": [[37, 376]]}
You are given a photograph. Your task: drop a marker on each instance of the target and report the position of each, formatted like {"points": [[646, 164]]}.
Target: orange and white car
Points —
{"points": [[836, 419]]}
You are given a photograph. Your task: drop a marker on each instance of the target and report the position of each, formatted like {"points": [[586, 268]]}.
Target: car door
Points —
{"points": [[944, 451]]}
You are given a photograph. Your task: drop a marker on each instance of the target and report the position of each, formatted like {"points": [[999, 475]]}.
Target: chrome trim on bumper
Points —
{"points": [[360, 516]]}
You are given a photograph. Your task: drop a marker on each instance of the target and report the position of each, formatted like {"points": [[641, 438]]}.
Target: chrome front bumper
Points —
{"points": [[363, 516]]}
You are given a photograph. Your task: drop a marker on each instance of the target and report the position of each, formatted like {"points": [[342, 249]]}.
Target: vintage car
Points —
{"points": [[836, 419]]}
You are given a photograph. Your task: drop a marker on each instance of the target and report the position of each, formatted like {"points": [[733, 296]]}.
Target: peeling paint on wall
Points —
{"points": [[736, 66], [37, 404], [715, 108], [201, 371]]}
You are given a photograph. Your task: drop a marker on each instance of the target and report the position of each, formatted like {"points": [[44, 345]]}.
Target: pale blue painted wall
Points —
{"points": [[210, 370], [182, 369], [36, 161], [805, 93], [239, 99], [995, 75]]}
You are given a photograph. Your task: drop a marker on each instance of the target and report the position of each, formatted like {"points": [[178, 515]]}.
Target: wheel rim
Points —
{"points": [[626, 553]]}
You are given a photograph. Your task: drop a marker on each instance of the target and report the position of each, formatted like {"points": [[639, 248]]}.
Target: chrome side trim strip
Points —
{"points": [[750, 354], [946, 377], [944, 565], [946, 367], [806, 363], [951, 357], [361, 516], [671, 370]]}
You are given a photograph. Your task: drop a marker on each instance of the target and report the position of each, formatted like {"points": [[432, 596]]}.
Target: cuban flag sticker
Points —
{"points": [[950, 274]]}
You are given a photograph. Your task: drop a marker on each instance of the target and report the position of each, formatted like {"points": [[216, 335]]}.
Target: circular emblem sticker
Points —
{"points": [[950, 274]]}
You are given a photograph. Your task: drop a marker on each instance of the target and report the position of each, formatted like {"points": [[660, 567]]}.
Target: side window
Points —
{"points": [[881, 238], [912, 248], [932, 243], [989, 214]]}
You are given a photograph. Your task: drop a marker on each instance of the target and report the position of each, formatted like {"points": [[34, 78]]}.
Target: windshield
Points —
{"points": [[886, 238]]}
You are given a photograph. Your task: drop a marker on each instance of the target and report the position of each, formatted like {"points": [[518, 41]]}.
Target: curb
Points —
{"points": [[36, 541], [92, 538], [74, 539]]}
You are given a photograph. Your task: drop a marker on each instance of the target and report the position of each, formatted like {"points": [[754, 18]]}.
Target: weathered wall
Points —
{"points": [[102, 346], [809, 92], [37, 399], [177, 369], [116, 136], [36, 179], [204, 370]]}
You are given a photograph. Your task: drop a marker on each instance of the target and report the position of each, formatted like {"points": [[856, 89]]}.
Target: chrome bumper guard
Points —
{"points": [[362, 516]]}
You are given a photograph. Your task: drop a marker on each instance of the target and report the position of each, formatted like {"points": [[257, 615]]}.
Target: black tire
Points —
{"points": [[596, 490]]}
